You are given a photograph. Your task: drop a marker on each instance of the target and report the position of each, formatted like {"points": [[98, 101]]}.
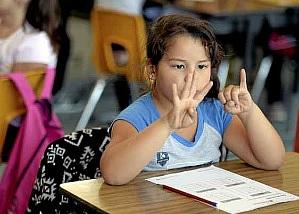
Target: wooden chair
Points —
{"points": [[114, 28], [11, 101]]}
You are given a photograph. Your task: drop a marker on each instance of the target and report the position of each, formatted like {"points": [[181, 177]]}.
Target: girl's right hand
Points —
{"points": [[183, 114]]}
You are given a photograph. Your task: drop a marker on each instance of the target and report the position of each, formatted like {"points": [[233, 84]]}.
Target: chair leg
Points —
{"points": [[91, 104], [261, 77]]}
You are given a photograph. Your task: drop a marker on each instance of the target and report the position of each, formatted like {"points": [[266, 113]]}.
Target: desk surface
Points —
{"points": [[140, 196]]}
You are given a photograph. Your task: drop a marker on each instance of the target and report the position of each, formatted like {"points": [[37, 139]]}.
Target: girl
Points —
{"points": [[28, 34], [181, 122], [28, 41]]}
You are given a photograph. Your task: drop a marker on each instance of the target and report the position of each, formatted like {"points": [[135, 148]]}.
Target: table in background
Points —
{"points": [[228, 7], [246, 13], [141, 196]]}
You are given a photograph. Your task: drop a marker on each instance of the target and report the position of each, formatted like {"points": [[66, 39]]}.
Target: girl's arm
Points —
{"points": [[129, 151], [250, 135]]}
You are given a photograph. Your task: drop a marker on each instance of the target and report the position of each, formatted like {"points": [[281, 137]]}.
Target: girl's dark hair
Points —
{"points": [[167, 27], [44, 15]]}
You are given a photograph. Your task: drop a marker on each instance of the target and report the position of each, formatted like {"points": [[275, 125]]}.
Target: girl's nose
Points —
{"points": [[189, 71], [186, 76]]}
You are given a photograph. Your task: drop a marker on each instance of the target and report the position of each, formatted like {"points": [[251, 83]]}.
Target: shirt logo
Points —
{"points": [[162, 158]]}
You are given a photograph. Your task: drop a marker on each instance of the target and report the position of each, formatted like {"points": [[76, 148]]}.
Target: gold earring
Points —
{"points": [[152, 76]]}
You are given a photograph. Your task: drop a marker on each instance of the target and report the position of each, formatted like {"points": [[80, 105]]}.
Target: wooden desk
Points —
{"points": [[246, 13], [140, 196], [237, 7]]}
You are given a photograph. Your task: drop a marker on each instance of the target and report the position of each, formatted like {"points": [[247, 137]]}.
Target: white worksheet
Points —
{"points": [[223, 189]]}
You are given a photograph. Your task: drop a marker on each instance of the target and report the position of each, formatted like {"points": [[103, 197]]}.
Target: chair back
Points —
{"points": [[11, 101], [112, 27]]}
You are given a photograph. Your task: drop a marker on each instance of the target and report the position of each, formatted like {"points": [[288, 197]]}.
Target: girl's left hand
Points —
{"points": [[236, 99]]}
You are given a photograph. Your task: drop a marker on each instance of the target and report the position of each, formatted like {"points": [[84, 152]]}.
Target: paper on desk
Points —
{"points": [[231, 192]]}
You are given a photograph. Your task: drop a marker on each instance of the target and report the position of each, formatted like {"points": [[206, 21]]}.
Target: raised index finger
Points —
{"points": [[243, 83]]}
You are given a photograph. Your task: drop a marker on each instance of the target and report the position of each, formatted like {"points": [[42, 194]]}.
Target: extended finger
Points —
{"points": [[175, 93], [188, 83], [243, 83], [202, 93], [193, 85]]}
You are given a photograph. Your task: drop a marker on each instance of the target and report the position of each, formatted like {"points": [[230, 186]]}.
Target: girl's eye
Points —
{"points": [[179, 66], [202, 66]]}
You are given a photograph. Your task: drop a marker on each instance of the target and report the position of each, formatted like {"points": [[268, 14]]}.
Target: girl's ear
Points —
{"points": [[150, 72], [152, 76], [150, 67]]}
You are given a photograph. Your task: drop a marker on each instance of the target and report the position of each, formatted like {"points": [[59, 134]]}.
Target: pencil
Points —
{"points": [[203, 200]]}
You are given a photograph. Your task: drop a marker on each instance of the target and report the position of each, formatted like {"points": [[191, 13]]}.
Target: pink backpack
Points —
{"points": [[40, 126]]}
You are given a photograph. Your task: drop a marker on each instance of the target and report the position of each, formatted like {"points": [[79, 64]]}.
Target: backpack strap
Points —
{"points": [[26, 90], [48, 84], [23, 87]]}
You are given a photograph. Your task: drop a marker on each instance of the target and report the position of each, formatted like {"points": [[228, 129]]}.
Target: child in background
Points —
{"points": [[28, 40], [180, 122], [28, 34]]}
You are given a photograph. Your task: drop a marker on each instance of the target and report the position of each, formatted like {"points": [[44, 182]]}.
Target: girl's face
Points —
{"points": [[5, 5], [184, 54], [9, 5]]}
